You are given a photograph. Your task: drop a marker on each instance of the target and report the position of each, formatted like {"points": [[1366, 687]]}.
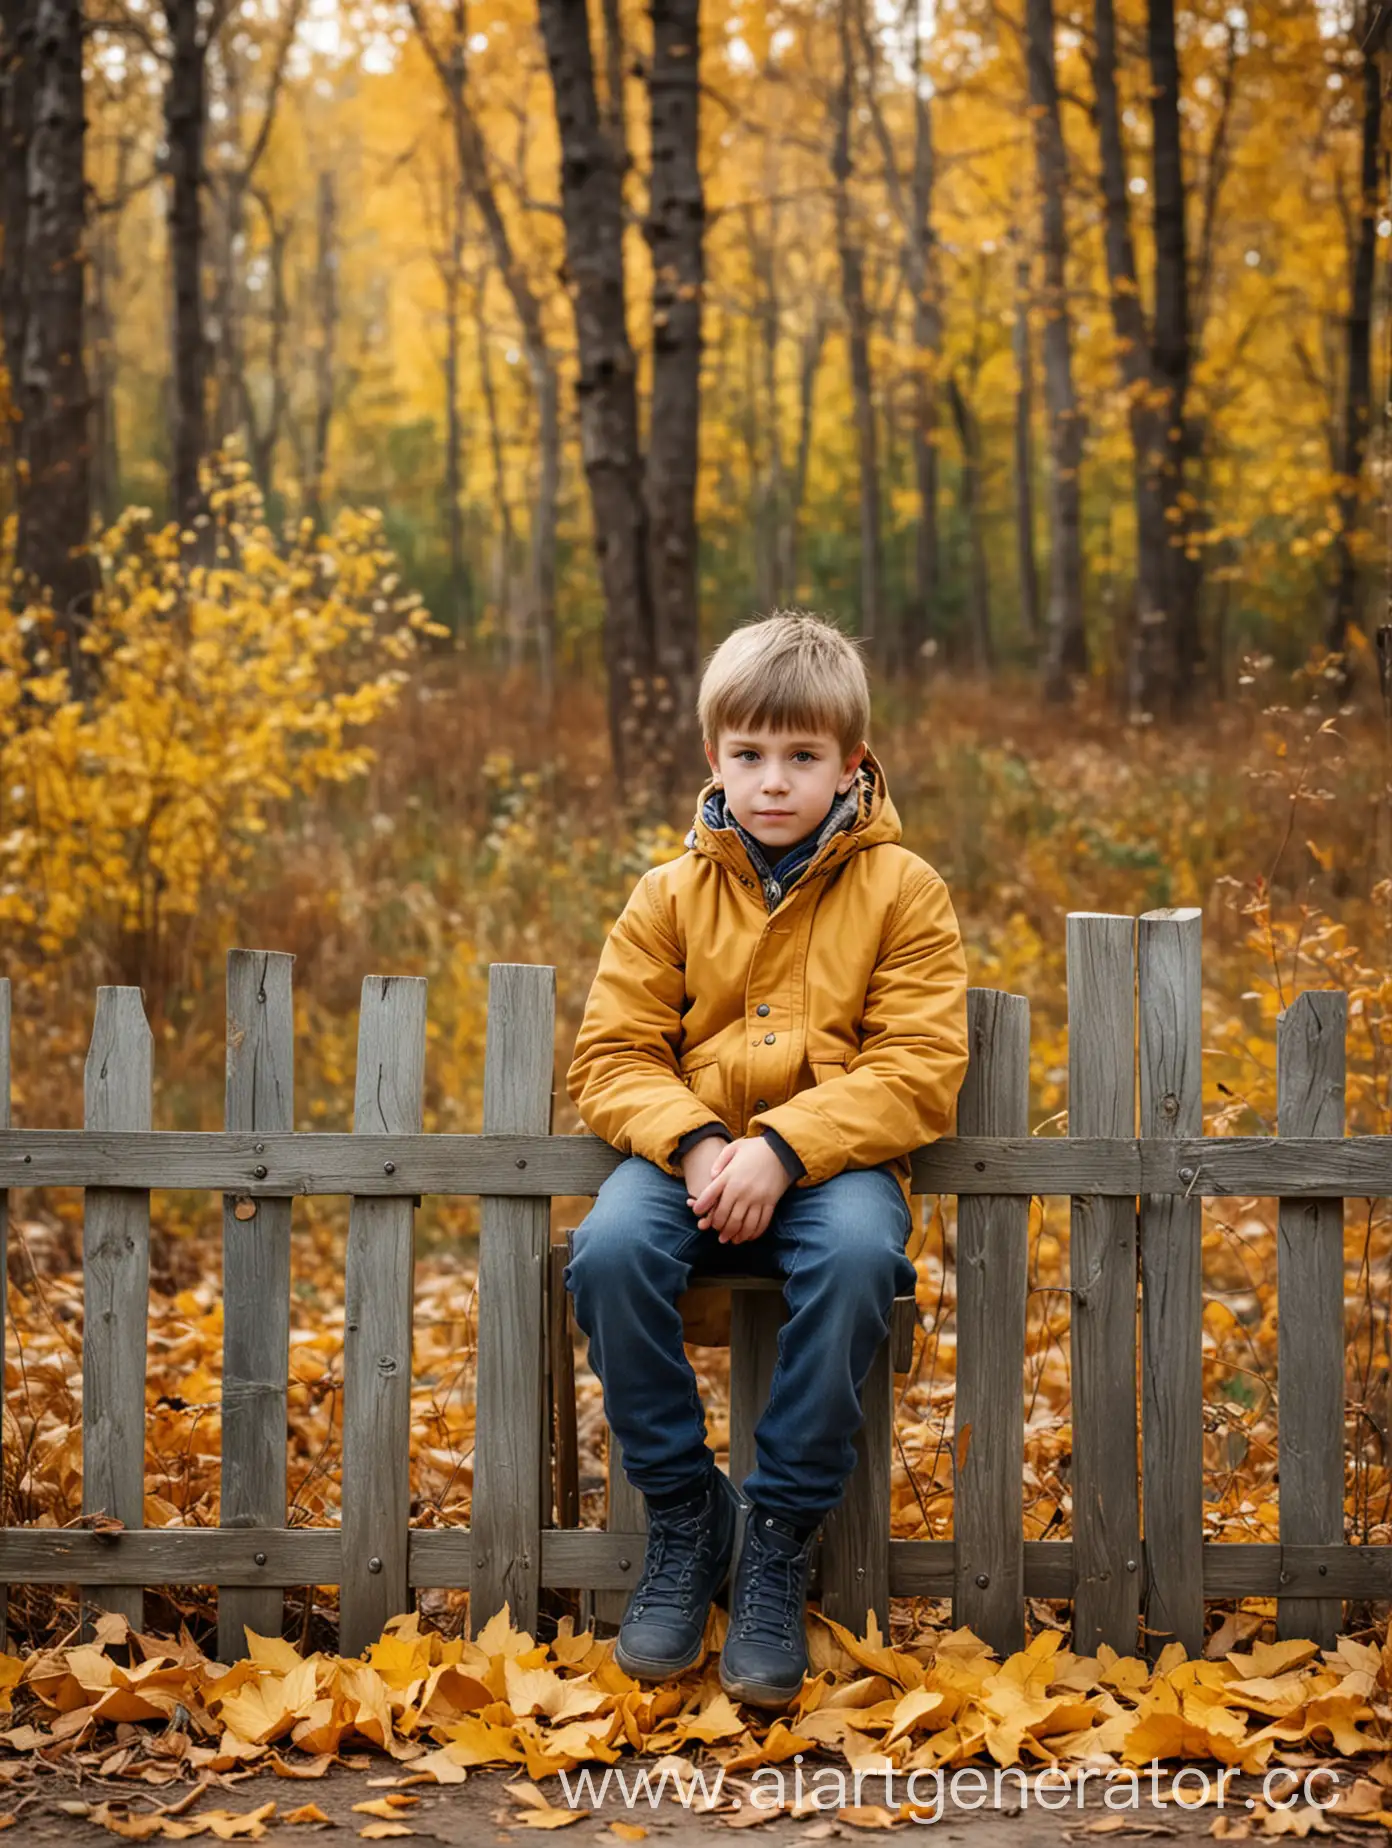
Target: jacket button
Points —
{"points": [[762, 1008], [761, 1103], [769, 1038]]}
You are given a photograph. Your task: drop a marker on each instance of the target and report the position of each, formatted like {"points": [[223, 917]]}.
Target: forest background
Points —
{"points": [[401, 398]]}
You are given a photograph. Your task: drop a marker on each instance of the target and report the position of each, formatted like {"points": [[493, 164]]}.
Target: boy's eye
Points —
{"points": [[746, 754], [811, 756]]}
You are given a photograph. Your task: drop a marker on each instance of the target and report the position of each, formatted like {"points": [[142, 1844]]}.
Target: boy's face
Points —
{"points": [[779, 785]]}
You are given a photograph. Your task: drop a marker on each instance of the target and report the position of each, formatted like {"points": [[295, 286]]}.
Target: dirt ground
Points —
{"points": [[484, 1811]]}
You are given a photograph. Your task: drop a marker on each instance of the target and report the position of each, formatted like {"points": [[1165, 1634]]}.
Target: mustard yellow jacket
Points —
{"points": [[838, 1020]]}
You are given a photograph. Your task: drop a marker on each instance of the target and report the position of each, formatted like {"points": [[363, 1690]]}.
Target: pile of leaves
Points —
{"points": [[137, 1709]]}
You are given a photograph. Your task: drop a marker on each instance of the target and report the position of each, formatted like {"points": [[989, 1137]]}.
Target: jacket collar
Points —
{"points": [[877, 823]]}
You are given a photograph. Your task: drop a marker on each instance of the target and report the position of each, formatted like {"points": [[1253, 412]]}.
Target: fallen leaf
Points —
{"points": [[307, 1812], [379, 1831]]}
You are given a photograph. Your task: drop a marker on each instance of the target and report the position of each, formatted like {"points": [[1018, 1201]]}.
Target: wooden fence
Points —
{"points": [[1135, 1164]]}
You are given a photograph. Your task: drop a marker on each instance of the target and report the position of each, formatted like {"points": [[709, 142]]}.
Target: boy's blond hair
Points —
{"points": [[790, 671]]}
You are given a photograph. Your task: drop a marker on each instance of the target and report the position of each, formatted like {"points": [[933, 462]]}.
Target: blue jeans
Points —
{"points": [[839, 1248]]}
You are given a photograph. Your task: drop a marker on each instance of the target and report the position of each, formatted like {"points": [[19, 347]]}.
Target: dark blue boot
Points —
{"points": [[687, 1561], [765, 1654]]}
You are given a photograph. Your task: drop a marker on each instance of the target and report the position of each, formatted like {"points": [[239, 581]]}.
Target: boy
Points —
{"points": [[778, 1019]]}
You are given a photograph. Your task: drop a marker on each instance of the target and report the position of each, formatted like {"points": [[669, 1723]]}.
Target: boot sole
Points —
{"points": [[759, 1693], [645, 1669]]}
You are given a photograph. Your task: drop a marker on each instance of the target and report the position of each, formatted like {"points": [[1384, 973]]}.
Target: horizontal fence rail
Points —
{"points": [[1138, 1569], [322, 1162]]}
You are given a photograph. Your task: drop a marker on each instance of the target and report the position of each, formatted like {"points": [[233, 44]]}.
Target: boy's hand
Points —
{"points": [[747, 1181], [698, 1164]]}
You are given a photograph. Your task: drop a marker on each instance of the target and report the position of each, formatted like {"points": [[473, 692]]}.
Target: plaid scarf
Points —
{"points": [[777, 877]]}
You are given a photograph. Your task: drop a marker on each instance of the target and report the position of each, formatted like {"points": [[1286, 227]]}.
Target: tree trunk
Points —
{"points": [[263, 439], [857, 315], [326, 344], [454, 430], [982, 652], [1156, 585], [1024, 455], [676, 238], [1066, 651], [812, 343], [1164, 674], [592, 212], [185, 123], [16, 130], [501, 551], [1344, 612], [55, 509], [105, 263], [473, 165]]}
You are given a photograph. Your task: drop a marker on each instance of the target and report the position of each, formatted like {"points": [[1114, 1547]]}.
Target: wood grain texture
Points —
{"points": [[855, 1535], [322, 1163], [511, 1448], [4, 1235], [256, 1285], [1310, 1036], [378, 1302], [1102, 1102], [1169, 991], [578, 1557], [315, 1163], [117, 1091], [992, 1287]]}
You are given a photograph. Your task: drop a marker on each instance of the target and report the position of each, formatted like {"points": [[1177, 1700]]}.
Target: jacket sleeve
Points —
{"points": [[624, 1079], [900, 1090]]}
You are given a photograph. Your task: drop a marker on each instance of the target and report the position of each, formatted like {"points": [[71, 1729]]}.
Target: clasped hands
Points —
{"points": [[734, 1186]]}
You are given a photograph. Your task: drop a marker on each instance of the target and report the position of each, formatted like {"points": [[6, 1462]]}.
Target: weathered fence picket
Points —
{"points": [[1310, 1306], [377, 1302], [1169, 997], [1134, 997], [988, 1431], [511, 1436], [255, 1285], [1102, 1261], [118, 1089]]}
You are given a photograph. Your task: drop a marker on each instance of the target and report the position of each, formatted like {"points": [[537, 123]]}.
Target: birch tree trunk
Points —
{"points": [[1066, 652], [55, 507]]}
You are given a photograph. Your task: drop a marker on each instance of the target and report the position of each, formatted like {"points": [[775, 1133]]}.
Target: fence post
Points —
{"points": [[988, 1448], [255, 1285], [1310, 1279], [377, 1322], [1102, 1259], [511, 1439], [117, 1086], [4, 1242], [1169, 978]]}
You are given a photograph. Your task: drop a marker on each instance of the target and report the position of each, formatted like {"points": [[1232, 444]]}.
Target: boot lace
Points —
{"points": [[772, 1605], [673, 1552]]}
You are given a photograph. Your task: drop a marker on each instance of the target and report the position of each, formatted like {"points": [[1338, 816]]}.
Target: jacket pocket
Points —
{"points": [[701, 1076], [827, 1067]]}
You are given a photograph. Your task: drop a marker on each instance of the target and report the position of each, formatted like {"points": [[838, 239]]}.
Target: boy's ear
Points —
{"points": [[711, 759], [850, 768]]}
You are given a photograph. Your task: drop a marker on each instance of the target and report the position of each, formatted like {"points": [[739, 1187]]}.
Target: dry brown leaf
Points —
{"points": [[307, 1812], [386, 1806], [380, 1831], [870, 1816], [629, 1831]]}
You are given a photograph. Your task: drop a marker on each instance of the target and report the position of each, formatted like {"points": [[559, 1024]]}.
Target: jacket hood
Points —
{"points": [[877, 823]]}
